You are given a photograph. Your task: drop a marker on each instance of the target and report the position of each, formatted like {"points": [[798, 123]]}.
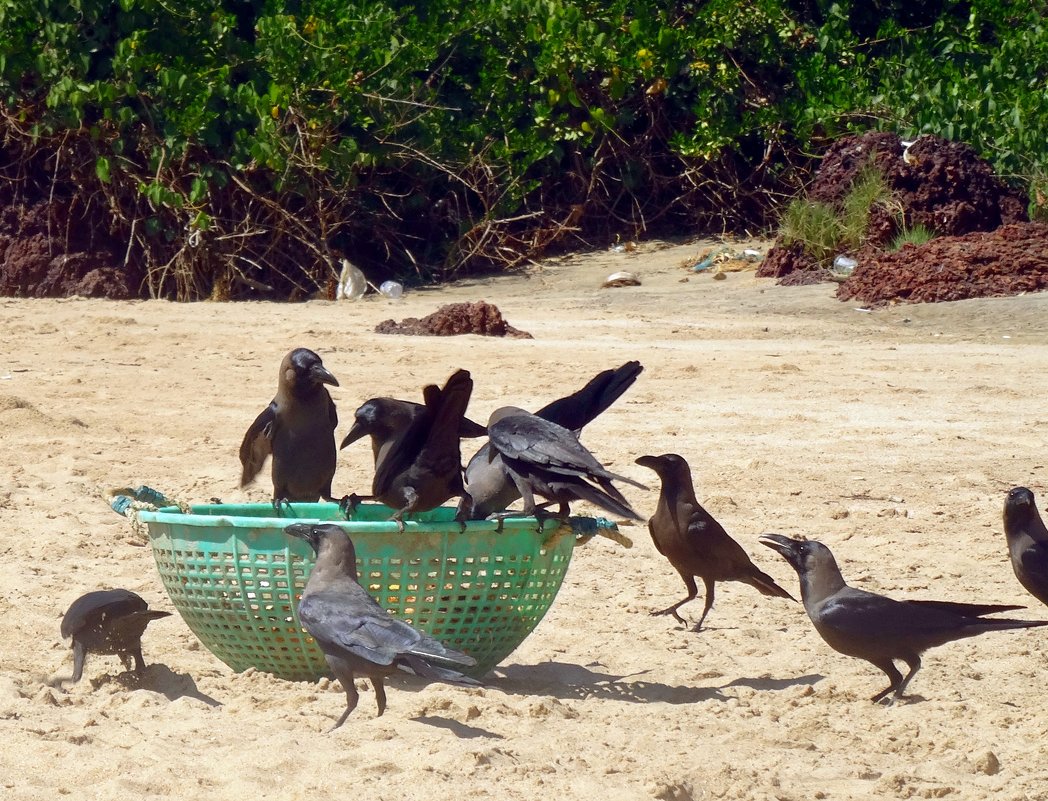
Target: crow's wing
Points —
{"points": [[966, 610], [528, 438], [258, 443], [332, 412], [446, 409], [355, 622], [873, 617], [705, 534], [1034, 560], [93, 607], [580, 408]]}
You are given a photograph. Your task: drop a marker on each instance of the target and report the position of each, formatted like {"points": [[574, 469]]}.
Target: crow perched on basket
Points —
{"points": [[487, 479], [545, 459], [298, 429], [418, 461]]}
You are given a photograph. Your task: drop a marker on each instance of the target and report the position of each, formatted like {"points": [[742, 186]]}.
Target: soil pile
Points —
{"points": [[453, 319], [1011, 260], [54, 244], [944, 186], [941, 185]]}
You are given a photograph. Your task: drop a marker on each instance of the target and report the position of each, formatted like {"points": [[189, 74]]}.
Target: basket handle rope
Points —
{"points": [[127, 501], [586, 528]]}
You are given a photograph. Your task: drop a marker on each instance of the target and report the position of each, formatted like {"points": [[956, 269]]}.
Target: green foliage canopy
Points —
{"points": [[241, 143]]}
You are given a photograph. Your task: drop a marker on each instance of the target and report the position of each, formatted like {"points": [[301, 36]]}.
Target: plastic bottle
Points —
{"points": [[844, 265], [391, 289]]}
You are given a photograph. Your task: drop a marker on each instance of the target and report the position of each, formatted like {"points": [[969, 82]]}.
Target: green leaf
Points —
{"points": [[102, 169], [197, 190]]}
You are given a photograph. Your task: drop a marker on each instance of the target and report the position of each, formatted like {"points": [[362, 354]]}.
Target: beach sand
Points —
{"points": [[891, 435]]}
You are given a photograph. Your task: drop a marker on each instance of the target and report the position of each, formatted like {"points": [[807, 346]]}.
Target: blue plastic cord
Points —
{"points": [[121, 504]]}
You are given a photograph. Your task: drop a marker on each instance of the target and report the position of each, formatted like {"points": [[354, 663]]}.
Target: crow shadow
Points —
{"points": [[565, 680], [159, 678], [768, 683], [460, 730]]}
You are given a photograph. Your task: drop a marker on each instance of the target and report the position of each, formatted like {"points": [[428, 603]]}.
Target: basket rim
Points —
{"points": [[174, 515]]}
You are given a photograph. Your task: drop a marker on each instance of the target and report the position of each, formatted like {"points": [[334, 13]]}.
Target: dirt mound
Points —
{"points": [[944, 186], [454, 319], [1010, 260], [55, 246], [11, 402], [783, 261]]}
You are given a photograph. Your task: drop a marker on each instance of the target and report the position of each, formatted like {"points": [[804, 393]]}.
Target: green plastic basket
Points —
{"points": [[236, 578]]}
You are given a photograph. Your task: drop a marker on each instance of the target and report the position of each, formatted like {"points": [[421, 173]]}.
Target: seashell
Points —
{"points": [[621, 279]]}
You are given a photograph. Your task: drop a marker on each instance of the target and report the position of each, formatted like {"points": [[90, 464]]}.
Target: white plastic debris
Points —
{"points": [[391, 289], [844, 265], [351, 283]]}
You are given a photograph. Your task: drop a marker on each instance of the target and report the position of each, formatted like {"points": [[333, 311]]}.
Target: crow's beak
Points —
{"points": [[358, 431], [322, 375], [789, 548]]}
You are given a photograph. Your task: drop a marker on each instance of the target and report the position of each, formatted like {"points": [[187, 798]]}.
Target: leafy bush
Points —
{"points": [[238, 147], [976, 74]]}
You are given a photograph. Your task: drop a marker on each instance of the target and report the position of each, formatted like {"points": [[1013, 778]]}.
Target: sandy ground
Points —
{"points": [[891, 435]]}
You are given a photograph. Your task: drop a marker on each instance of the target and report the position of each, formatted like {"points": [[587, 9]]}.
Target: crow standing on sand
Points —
{"points": [[694, 542], [357, 635], [545, 459], [486, 477], [1027, 542], [298, 429], [108, 622], [418, 462], [877, 628]]}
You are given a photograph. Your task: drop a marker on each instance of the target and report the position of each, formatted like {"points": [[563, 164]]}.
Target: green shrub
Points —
{"points": [[825, 230], [230, 144]]}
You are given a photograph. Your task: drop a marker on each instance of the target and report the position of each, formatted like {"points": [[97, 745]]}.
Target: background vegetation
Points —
{"points": [[238, 147]]}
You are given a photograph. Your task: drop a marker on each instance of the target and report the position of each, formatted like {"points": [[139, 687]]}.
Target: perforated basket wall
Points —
{"points": [[236, 579]]}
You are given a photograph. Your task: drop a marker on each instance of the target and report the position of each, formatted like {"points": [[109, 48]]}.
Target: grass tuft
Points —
{"points": [[917, 235], [825, 230]]}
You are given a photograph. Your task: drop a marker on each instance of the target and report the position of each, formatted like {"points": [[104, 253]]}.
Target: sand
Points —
{"points": [[890, 435]]}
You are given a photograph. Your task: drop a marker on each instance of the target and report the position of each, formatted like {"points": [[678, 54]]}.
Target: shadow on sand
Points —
{"points": [[565, 680], [159, 678], [460, 730]]}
